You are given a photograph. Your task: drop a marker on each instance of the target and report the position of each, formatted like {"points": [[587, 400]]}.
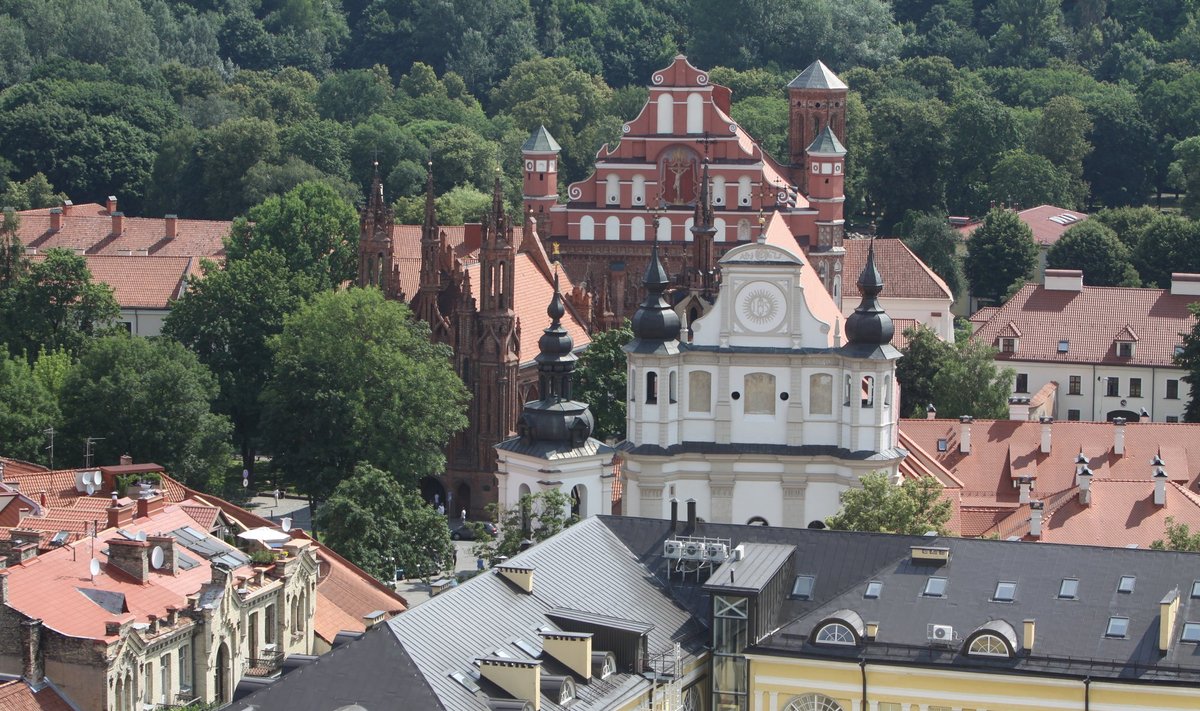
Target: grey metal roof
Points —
{"points": [[760, 564], [598, 620], [803, 450], [540, 141], [817, 76], [826, 144], [554, 450], [113, 602], [210, 548]]}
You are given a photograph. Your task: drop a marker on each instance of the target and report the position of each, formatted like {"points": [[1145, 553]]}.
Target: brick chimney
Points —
{"points": [[149, 505], [964, 437], [132, 557], [66, 207], [111, 205], [126, 460], [172, 225], [119, 514], [33, 665], [118, 223], [56, 219]]}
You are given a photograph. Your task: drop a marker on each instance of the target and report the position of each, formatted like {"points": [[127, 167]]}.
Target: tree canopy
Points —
{"points": [[1189, 359], [600, 380], [380, 526], [27, 410], [355, 378], [912, 507], [1096, 249], [535, 518], [1000, 252]]}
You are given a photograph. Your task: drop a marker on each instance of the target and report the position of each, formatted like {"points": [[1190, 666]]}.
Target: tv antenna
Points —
{"points": [[49, 432], [87, 450]]}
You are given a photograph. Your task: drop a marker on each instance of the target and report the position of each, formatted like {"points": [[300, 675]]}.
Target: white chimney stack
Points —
{"points": [[1035, 518], [1185, 284], [931, 412], [1084, 479], [1026, 485], [1064, 280], [1160, 487], [964, 437], [1119, 436], [1081, 463], [1046, 422]]}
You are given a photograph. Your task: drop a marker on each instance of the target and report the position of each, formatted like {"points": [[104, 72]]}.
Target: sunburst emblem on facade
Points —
{"points": [[760, 306]]}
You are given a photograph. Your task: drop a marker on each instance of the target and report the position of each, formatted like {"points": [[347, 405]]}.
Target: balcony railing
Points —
{"points": [[268, 663]]}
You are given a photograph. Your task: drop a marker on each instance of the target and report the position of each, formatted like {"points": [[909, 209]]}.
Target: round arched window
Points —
{"points": [[988, 645], [813, 702], [836, 633]]}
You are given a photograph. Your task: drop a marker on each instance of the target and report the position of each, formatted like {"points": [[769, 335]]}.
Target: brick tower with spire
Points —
{"points": [[376, 251]]}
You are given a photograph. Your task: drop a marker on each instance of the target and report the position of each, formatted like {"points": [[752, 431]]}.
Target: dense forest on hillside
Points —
{"points": [[206, 107]]}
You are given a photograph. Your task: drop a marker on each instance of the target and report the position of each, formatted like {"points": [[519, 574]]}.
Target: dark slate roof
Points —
{"points": [[826, 144], [817, 76], [1070, 633], [783, 450], [555, 450], [540, 141], [374, 673]]}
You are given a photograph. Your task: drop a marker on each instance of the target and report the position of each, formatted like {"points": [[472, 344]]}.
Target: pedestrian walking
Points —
{"points": [[276, 493]]}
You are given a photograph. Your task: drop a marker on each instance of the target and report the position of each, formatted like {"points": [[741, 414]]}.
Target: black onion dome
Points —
{"points": [[555, 341], [654, 319], [869, 324]]}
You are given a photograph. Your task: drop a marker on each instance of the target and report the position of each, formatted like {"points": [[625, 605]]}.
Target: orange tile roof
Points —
{"points": [[899, 340], [905, 276], [88, 228], [1091, 321], [13, 467], [1001, 450], [18, 696], [1047, 222], [141, 282], [48, 586]]}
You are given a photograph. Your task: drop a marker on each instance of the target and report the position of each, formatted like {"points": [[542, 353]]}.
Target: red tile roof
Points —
{"points": [[18, 696], [141, 282], [49, 586], [18, 466], [899, 340], [1091, 320], [1047, 222], [905, 276], [1002, 450], [88, 228]]}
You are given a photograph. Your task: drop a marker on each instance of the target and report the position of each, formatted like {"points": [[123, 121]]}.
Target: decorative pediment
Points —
{"points": [[680, 73], [1126, 334], [757, 253], [1009, 331]]}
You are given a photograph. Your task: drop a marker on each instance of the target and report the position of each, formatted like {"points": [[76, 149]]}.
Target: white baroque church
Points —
{"points": [[770, 404]]}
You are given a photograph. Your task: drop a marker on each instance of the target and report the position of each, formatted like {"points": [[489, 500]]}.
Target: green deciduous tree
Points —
{"points": [[968, 382], [999, 252], [980, 130], [226, 318], [906, 168], [535, 518], [311, 225], [1025, 179], [31, 194], [924, 354], [600, 380], [932, 239], [149, 398], [1179, 537], [1061, 136], [380, 526], [1094, 248], [27, 409], [355, 378], [1189, 360], [1185, 175], [1168, 244], [913, 507]]}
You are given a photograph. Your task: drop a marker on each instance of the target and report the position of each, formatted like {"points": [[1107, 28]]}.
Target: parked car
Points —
{"points": [[470, 531]]}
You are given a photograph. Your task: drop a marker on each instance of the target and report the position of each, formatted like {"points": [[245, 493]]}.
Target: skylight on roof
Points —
{"points": [[1069, 589], [942, 444], [873, 589], [467, 682], [1196, 588], [935, 587], [1191, 632], [527, 647], [803, 587], [1126, 584], [1117, 627], [1005, 591], [1063, 346]]}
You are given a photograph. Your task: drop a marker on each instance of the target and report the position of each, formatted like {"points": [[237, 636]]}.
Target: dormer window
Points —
{"points": [[566, 692], [1008, 345], [988, 645], [1064, 346], [1125, 349], [836, 633]]}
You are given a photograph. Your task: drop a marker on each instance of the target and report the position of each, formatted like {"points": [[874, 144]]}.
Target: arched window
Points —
{"points": [[757, 521], [813, 702], [687, 230], [639, 190], [666, 113], [612, 189], [720, 225], [988, 645], [837, 286], [651, 388], [743, 234], [820, 394], [612, 228], [835, 633], [718, 190], [847, 400], [699, 391], [695, 113], [887, 391], [671, 391], [744, 191], [664, 229], [868, 391], [587, 227], [760, 394], [637, 229]]}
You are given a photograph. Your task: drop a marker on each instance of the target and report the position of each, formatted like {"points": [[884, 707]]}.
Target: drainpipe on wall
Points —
{"points": [[1087, 693], [862, 665]]}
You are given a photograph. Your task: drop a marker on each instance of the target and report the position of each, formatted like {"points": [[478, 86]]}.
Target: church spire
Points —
{"points": [[655, 323], [869, 324], [704, 233], [430, 203]]}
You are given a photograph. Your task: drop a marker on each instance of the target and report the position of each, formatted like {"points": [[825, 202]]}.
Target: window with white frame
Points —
{"points": [[813, 702], [835, 633], [988, 645]]}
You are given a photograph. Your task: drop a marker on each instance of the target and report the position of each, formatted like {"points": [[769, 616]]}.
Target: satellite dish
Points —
{"points": [[156, 557], [90, 489], [94, 567], [96, 478], [141, 535], [286, 523]]}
